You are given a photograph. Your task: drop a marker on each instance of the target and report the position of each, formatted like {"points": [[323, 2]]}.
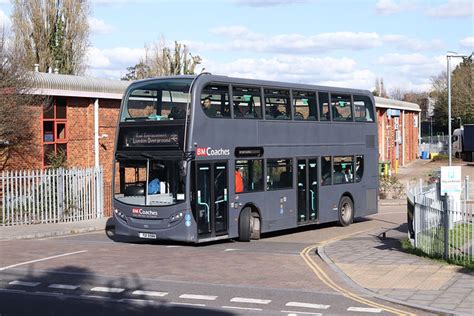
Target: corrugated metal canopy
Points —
{"points": [[77, 86], [396, 104]]}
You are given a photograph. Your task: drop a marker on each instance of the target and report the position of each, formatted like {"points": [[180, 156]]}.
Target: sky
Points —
{"points": [[337, 43]]}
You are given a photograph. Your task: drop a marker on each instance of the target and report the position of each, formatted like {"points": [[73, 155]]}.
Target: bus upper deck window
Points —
{"points": [[364, 110], [324, 106], [304, 105], [341, 106], [215, 101], [277, 104], [246, 102]]}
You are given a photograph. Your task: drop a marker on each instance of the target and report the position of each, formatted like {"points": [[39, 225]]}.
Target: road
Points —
{"points": [[277, 275]]}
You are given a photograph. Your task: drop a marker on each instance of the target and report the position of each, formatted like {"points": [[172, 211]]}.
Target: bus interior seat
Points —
{"points": [[285, 179], [134, 190]]}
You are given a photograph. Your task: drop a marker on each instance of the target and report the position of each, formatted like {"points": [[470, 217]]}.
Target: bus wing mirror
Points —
{"points": [[225, 195], [199, 196]]}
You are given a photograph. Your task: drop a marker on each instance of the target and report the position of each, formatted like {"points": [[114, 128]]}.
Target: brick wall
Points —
{"points": [[387, 147]]}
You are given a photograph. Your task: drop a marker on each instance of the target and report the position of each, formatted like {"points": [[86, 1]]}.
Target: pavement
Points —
{"points": [[376, 262], [51, 230], [372, 261]]}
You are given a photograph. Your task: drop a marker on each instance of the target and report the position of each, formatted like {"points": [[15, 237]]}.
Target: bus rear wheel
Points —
{"points": [[245, 224], [346, 211], [249, 225]]}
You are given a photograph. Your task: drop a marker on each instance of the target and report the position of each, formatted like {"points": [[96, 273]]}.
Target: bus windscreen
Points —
{"points": [[158, 100]]}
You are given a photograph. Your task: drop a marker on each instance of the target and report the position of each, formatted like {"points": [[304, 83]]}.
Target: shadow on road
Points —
{"points": [[51, 297]]}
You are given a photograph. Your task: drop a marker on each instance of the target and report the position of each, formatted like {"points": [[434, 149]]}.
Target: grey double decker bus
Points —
{"points": [[206, 157]]}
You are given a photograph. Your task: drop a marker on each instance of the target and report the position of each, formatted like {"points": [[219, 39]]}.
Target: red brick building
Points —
{"points": [[77, 115], [398, 127], [80, 117]]}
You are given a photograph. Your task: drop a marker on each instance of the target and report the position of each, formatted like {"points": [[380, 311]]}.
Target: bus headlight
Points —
{"points": [[176, 217], [119, 214]]}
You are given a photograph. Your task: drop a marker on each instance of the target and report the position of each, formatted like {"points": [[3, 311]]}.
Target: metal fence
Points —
{"points": [[435, 144], [441, 226], [51, 196]]}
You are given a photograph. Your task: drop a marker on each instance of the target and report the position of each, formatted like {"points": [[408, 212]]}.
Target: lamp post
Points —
{"points": [[450, 55]]}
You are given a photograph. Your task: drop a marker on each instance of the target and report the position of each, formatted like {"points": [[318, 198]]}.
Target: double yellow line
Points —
{"points": [[305, 254]]}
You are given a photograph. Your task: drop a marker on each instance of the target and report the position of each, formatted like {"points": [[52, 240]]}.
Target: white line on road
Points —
{"points": [[21, 283], [231, 249], [187, 304], [249, 300], [243, 308], [136, 301], [173, 246], [364, 310], [198, 297], [149, 293], [307, 305], [107, 289], [42, 259], [64, 286], [295, 313]]}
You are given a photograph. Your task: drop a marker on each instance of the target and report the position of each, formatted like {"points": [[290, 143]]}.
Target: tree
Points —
{"points": [[161, 60], [379, 90], [51, 33], [397, 93], [16, 137], [462, 100]]}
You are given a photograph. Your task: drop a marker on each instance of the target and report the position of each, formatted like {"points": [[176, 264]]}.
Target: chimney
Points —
{"points": [[50, 70], [36, 67], [56, 71]]}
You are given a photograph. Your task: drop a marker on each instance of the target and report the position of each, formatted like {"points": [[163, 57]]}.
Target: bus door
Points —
{"points": [[212, 198], [308, 192]]}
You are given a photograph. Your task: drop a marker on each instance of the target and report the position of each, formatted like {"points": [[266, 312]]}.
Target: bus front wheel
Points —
{"points": [[346, 211]]}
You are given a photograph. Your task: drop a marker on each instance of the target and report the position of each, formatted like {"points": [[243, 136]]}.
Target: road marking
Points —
{"points": [[94, 296], [243, 308], [249, 300], [231, 249], [136, 301], [295, 313], [42, 259], [173, 246], [187, 304], [21, 283], [149, 293], [307, 305], [198, 297], [64, 286], [364, 310], [107, 289], [305, 254]]}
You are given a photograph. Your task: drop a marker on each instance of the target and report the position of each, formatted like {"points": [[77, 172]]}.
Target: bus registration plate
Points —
{"points": [[147, 235]]}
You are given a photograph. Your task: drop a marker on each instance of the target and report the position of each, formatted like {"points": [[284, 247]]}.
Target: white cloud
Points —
{"points": [[387, 7], [99, 26], [413, 44], [243, 39], [341, 72], [453, 8], [410, 71], [267, 3], [115, 58], [467, 42]]}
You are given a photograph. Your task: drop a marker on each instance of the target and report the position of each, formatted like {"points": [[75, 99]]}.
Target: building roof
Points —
{"points": [[77, 86], [396, 104], [90, 87]]}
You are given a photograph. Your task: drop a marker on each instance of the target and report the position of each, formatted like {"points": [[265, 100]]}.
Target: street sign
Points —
{"points": [[451, 181]]}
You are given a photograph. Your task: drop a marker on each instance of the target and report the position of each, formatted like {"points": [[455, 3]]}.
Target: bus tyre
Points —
{"points": [[346, 211], [245, 224], [255, 227]]}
